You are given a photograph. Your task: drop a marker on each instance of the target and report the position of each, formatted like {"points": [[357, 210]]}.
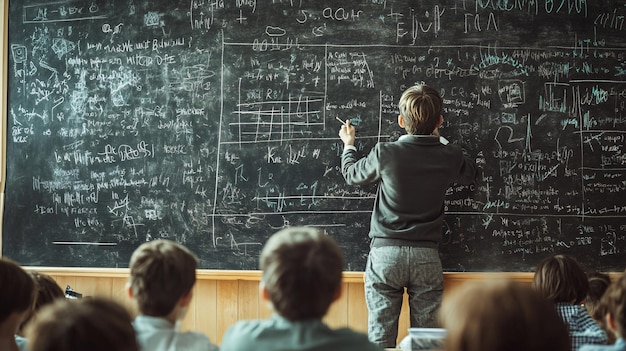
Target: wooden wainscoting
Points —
{"points": [[223, 297]]}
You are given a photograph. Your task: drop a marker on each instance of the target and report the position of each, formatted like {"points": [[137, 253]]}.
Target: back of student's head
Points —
{"points": [[560, 278], [501, 315], [302, 270], [420, 108], [46, 291], [17, 289], [598, 283], [614, 299], [161, 272], [93, 324]]}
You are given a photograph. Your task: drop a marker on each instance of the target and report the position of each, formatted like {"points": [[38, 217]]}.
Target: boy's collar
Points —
{"points": [[442, 140]]}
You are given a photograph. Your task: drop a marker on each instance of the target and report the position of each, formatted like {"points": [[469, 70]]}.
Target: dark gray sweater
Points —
{"points": [[413, 174]]}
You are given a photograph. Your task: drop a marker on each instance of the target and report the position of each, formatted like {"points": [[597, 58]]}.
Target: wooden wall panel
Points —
{"points": [[337, 315], [206, 309], [227, 301], [248, 300], [357, 310]]}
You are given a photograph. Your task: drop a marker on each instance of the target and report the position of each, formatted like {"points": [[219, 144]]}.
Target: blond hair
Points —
{"points": [[501, 315], [93, 324], [161, 272], [420, 108], [302, 270]]}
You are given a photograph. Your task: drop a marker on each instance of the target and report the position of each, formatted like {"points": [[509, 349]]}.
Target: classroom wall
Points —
{"points": [[223, 297]]}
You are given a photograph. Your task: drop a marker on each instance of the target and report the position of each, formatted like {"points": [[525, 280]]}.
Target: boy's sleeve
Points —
{"points": [[468, 171], [363, 171]]}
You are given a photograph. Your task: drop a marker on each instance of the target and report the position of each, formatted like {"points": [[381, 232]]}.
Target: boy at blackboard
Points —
{"points": [[561, 280], [302, 270], [16, 298], [615, 301], [162, 276], [413, 174]]}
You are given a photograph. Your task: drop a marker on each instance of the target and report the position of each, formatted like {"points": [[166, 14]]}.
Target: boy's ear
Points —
{"points": [[185, 300], [440, 121], [401, 121], [610, 322], [129, 290], [263, 292]]}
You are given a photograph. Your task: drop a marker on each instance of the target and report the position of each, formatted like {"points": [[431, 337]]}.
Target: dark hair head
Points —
{"points": [[18, 289], [93, 324], [560, 278], [302, 270], [501, 315], [614, 299], [420, 108], [598, 283], [46, 291], [161, 272]]}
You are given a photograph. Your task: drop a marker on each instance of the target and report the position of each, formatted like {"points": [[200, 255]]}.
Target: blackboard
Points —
{"points": [[212, 123]]}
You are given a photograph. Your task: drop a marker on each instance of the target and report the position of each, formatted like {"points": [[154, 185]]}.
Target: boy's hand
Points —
{"points": [[347, 133]]}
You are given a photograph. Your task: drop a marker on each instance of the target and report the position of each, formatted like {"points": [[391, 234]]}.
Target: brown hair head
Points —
{"points": [[18, 289], [560, 278], [420, 108], [614, 299], [93, 324], [598, 283], [501, 315], [46, 291], [302, 270], [161, 272]]}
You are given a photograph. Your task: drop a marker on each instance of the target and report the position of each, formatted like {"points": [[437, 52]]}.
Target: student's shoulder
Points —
{"points": [[199, 340], [242, 329], [246, 326], [239, 335], [599, 348], [22, 343]]}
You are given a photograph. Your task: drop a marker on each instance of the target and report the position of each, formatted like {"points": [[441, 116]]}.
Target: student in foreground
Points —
{"points": [[562, 281], [413, 175], [614, 299], [302, 270], [16, 298], [93, 324], [46, 292], [501, 315], [162, 276]]}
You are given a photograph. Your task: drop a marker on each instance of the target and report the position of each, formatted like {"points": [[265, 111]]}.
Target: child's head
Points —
{"points": [[614, 299], [17, 292], [93, 324], [46, 291], [560, 278], [302, 270], [161, 273], [501, 315], [598, 283], [420, 108]]}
